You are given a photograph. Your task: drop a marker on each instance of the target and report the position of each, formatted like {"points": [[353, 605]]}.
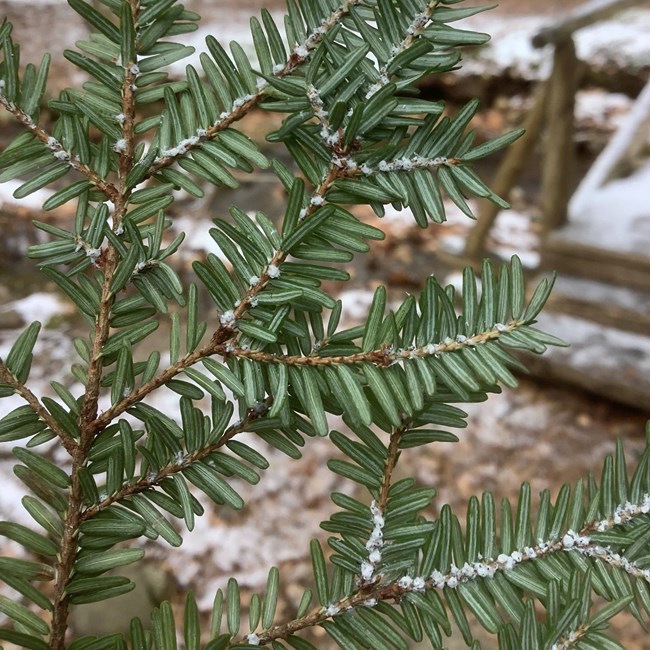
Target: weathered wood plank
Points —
{"points": [[622, 150], [627, 269], [609, 305], [508, 173], [586, 15], [605, 361], [559, 148]]}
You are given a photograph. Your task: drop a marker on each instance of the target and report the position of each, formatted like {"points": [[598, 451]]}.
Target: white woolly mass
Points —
{"points": [[367, 569], [253, 639], [240, 101], [332, 610], [372, 90], [506, 561], [228, 319], [183, 146], [571, 541], [418, 584], [120, 146], [374, 543], [273, 271], [333, 139]]}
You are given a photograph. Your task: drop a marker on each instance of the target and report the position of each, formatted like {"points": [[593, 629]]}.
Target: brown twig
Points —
{"points": [[389, 466], [66, 439], [147, 483], [370, 593], [68, 545], [298, 57], [223, 337], [384, 356], [57, 148]]}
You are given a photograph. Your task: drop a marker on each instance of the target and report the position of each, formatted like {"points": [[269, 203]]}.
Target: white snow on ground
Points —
{"points": [[32, 202], [197, 236], [598, 108], [592, 345], [12, 492], [511, 234], [40, 306], [356, 305], [622, 41], [615, 216], [627, 144], [400, 220], [236, 28]]}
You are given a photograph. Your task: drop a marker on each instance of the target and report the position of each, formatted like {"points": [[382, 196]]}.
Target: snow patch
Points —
{"points": [[39, 306], [513, 234], [33, 201], [621, 202], [599, 108], [234, 28], [621, 41], [356, 304], [197, 238], [11, 494]]}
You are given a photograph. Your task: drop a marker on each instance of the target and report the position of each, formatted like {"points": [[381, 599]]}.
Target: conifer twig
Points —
{"points": [[57, 149], [68, 544], [371, 593], [8, 378], [148, 482]]}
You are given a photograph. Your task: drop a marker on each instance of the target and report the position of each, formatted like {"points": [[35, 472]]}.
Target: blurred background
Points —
{"points": [[575, 74]]}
